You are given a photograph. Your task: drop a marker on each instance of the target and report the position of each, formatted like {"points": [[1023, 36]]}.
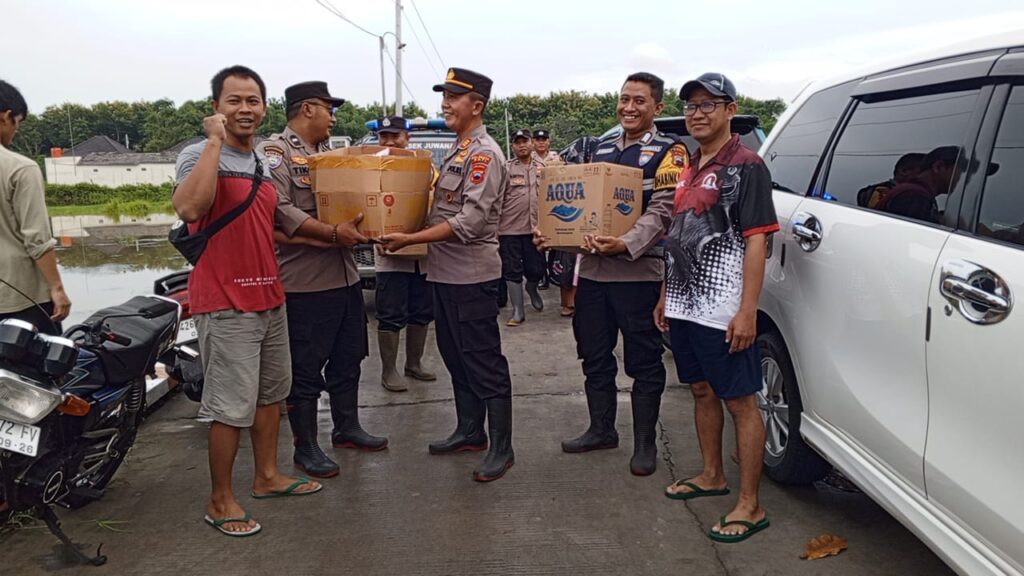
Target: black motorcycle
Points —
{"points": [[70, 406]]}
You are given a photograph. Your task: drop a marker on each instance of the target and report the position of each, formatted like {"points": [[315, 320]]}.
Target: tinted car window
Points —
{"points": [[1002, 205], [794, 154], [901, 156]]}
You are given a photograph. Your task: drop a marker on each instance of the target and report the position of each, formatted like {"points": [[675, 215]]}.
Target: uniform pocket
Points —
{"points": [[478, 328]]}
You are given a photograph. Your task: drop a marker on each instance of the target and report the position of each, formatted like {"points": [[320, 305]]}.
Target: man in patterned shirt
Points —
{"points": [[715, 262]]}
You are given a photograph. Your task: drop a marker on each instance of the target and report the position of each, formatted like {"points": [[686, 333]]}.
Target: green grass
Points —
{"points": [[114, 209]]}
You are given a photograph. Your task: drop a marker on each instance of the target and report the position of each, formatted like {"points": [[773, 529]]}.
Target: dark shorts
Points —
{"points": [[702, 354]]}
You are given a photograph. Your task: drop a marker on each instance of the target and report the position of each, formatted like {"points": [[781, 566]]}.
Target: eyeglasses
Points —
{"points": [[705, 107], [330, 109]]}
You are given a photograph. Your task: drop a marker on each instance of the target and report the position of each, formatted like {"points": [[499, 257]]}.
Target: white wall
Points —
{"points": [[66, 170]]}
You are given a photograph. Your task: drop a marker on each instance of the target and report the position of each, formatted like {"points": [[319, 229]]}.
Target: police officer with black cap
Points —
{"points": [[326, 320], [541, 141], [403, 298], [519, 257], [464, 266]]}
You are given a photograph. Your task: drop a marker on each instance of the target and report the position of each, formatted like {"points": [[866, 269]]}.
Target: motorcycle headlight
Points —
{"points": [[22, 400]]}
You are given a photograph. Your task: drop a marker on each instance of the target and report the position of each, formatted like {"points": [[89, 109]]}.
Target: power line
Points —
{"points": [[417, 10], [420, 44], [330, 8], [400, 75]]}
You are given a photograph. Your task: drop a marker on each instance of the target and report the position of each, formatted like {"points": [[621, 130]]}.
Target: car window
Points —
{"points": [[901, 156], [1002, 203], [794, 154]]}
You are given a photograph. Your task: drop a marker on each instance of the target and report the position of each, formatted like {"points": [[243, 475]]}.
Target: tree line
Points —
{"points": [[158, 125]]}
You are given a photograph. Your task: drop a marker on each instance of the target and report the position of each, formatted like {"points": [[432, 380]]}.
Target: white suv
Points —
{"points": [[891, 347]]}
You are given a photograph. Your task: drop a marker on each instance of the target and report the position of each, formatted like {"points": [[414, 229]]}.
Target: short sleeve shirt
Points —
{"points": [[238, 270], [468, 197], [716, 209]]}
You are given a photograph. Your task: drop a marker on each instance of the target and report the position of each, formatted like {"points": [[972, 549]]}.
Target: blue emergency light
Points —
{"points": [[417, 123]]}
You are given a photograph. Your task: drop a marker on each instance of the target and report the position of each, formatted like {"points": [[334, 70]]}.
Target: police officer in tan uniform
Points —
{"points": [[464, 266], [541, 141], [326, 320], [403, 298], [519, 257]]}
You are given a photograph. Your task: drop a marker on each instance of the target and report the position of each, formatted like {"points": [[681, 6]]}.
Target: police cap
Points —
{"points": [[293, 95], [461, 81]]}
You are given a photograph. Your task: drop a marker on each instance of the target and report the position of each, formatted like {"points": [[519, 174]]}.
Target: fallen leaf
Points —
{"points": [[823, 546]]}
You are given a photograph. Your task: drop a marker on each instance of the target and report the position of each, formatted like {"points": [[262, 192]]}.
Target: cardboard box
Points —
{"points": [[391, 191], [598, 199]]}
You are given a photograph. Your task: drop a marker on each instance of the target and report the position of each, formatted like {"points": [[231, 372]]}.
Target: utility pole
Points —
{"points": [[398, 57], [383, 93]]}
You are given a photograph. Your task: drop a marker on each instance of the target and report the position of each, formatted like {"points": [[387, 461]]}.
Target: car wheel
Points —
{"points": [[787, 458]]}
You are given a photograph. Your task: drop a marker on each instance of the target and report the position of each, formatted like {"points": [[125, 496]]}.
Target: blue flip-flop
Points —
{"points": [[219, 525], [752, 528]]}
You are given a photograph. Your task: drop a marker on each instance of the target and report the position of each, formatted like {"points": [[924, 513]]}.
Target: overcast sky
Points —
{"points": [[90, 51]]}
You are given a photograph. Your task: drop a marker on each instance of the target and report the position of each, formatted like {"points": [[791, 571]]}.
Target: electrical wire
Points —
{"points": [[419, 43], [330, 8], [425, 29]]}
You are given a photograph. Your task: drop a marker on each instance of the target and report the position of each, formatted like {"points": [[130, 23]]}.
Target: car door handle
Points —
{"points": [[980, 295], [807, 230], [804, 233], [961, 290]]}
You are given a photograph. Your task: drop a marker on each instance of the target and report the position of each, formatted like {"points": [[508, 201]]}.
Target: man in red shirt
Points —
{"points": [[237, 298]]}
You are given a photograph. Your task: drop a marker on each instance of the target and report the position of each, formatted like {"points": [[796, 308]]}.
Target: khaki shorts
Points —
{"points": [[246, 363]]}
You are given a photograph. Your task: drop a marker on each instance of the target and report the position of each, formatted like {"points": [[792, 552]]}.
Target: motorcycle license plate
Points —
{"points": [[187, 330], [20, 438]]}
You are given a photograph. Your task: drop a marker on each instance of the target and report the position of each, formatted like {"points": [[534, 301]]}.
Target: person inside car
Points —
{"points": [[915, 198]]}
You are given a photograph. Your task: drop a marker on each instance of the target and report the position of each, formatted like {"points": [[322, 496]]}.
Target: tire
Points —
{"points": [[788, 459]]}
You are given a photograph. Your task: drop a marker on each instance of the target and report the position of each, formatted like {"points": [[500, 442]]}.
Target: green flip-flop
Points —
{"points": [[219, 525], [290, 490], [695, 491], [752, 528]]}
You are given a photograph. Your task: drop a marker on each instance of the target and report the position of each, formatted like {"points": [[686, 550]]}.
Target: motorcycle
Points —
{"points": [[186, 366], [71, 405]]}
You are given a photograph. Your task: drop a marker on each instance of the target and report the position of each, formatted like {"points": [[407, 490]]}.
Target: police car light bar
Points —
{"points": [[414, 124]]}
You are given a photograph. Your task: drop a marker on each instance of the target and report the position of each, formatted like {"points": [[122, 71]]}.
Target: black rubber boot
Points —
{"points": [[500, 457], [308, 457], [535, 300], [348, 433], [601, 435], [469, 433], [645, 435]]}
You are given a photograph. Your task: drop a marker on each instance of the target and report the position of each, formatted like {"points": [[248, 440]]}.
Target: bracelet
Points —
{"points": [[334, 235]]}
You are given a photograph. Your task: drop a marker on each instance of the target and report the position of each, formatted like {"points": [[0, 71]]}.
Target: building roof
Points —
{"points": [[177, 148], [128, 158], [96, 144]]}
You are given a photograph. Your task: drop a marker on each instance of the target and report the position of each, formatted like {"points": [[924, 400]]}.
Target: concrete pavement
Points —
{"points": [[403, 511]]}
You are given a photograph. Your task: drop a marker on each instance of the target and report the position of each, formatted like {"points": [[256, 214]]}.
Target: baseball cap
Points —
{"points": [[714, 82]]}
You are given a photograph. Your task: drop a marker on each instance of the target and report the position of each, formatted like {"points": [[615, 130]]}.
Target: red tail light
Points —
{"points": [[182, 298]]}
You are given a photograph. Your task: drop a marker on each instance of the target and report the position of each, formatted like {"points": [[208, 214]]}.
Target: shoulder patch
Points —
{"points": [[274, 156], [480, 159], [680, 155], [478, 168]]}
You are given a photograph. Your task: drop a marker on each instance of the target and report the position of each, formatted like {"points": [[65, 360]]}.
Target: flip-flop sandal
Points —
{"points": [[290, 490], [695, 491], [219, 525], [752, 528]]}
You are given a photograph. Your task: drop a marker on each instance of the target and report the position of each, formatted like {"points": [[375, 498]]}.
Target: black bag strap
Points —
{"points": [[235, 212]]}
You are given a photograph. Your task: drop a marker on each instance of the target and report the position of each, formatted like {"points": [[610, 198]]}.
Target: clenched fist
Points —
{"points": [[214, 127]]}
